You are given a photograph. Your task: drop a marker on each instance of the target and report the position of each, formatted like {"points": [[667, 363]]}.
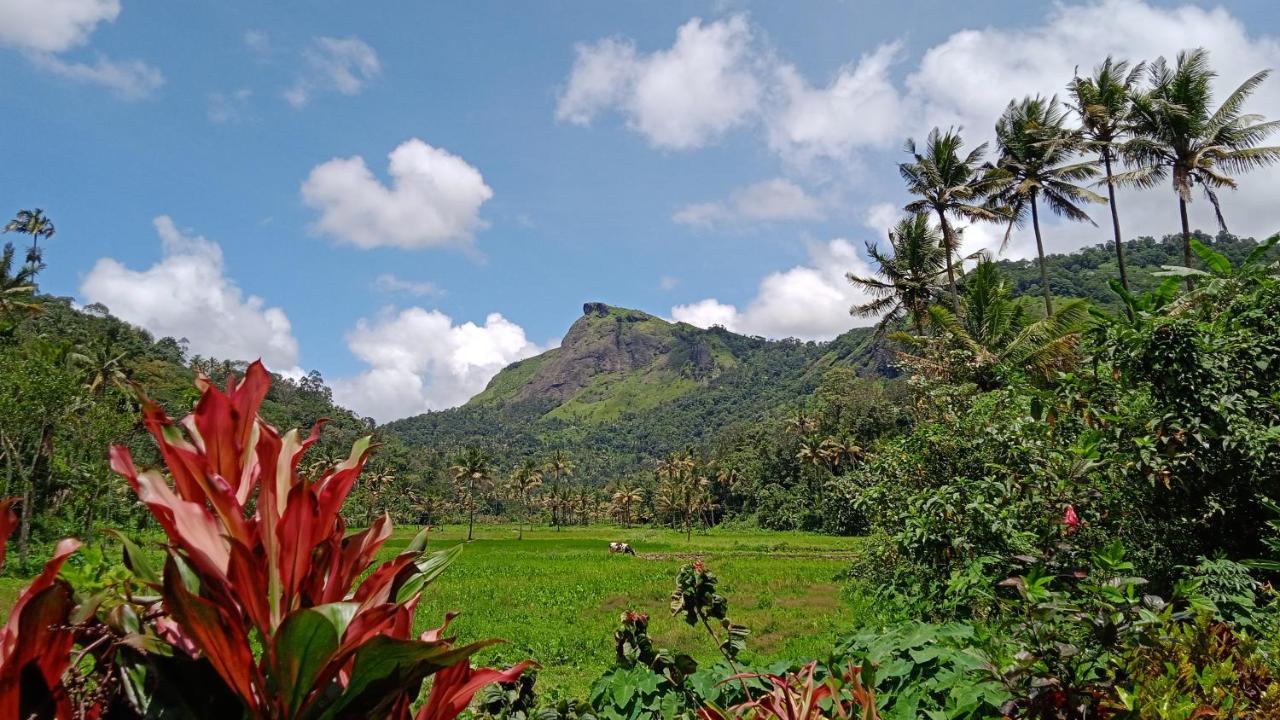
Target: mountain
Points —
{"points": [[615, 360], [625, 387]]}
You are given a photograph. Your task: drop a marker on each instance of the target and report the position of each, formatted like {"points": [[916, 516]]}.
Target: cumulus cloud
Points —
{"points": [[343, 65], [45, 29], [771, 200], [859, 108], [809, 301], [389, 283], [53, 26], [434, 199], [188, 294], [682, 97], [419, 360]]}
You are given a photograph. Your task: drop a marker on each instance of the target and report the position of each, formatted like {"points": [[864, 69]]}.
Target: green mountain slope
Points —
{"points": [[625, 387], [614, 361]]}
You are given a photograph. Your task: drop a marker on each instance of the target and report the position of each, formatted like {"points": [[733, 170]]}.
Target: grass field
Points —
{"points": [[555, 596]]}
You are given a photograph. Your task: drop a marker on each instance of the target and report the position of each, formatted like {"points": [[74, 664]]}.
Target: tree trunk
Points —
{"points": [[471, 518], [1115, 220], [1044, 273], [951, 274], [24, 533], [1186, 240]]}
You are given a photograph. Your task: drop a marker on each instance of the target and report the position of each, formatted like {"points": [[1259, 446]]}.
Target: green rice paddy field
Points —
{"points": [[555, 596]]}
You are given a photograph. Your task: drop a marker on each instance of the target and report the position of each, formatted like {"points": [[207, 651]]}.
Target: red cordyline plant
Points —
{"points": [[799, 696], [262, 581], [35, 644]]}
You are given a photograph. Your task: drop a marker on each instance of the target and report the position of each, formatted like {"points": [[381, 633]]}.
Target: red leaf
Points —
{"points": [[217, 631], [453, 688]]}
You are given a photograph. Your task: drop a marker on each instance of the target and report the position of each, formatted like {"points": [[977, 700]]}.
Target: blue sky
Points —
{"points": [[708, 161]]}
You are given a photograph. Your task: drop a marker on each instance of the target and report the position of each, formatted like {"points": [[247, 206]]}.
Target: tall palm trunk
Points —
{"points": [[951, 274], [1115, 219], [1186, 239], [1044, 273], [471, 515]]}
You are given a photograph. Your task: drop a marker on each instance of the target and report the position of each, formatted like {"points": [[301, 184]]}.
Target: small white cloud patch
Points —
{"points": [[768, 201], [434, 199], [343, 65]]}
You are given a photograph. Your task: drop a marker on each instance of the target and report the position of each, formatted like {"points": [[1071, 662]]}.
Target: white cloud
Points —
{"points": [[668, 282], [344, 65], [43, 29], [228, 107], [187, 294], [434, 199], [859, 108], [770, 200], [419, 360], [52, 26], [129, 79], [682, 97], [810, 302], [389, 283], [706, 313], [882, 216]]}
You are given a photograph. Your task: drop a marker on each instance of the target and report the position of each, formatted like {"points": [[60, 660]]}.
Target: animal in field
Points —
{"points": [[621, 547]]}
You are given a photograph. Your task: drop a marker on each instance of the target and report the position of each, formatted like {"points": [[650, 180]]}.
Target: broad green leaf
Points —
{"points": [[304, 644], [135, 559], [1213, 260]]}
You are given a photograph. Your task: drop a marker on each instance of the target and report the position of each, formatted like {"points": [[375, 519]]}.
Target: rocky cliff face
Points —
{"points": [[608, 344], [603, 341]]}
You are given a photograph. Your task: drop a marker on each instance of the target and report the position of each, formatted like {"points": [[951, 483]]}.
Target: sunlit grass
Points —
{"points": [[555, 597]]}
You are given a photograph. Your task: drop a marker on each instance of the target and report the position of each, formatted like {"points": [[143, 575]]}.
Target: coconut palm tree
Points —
{"points": [[102, 368], [1035, 165], [997, 334], [800, 423], [473, 476], [951, 184], [36, 224], [1104, 104], [558, 466], [1178, 136], [524, 480], [16, 287], [682, 490], [623, 502], [906, 283], [839, 451]]}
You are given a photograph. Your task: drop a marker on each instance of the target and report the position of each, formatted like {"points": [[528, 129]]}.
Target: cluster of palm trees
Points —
{"points": [[528, 484], [1138, 125], [683, 493]]}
